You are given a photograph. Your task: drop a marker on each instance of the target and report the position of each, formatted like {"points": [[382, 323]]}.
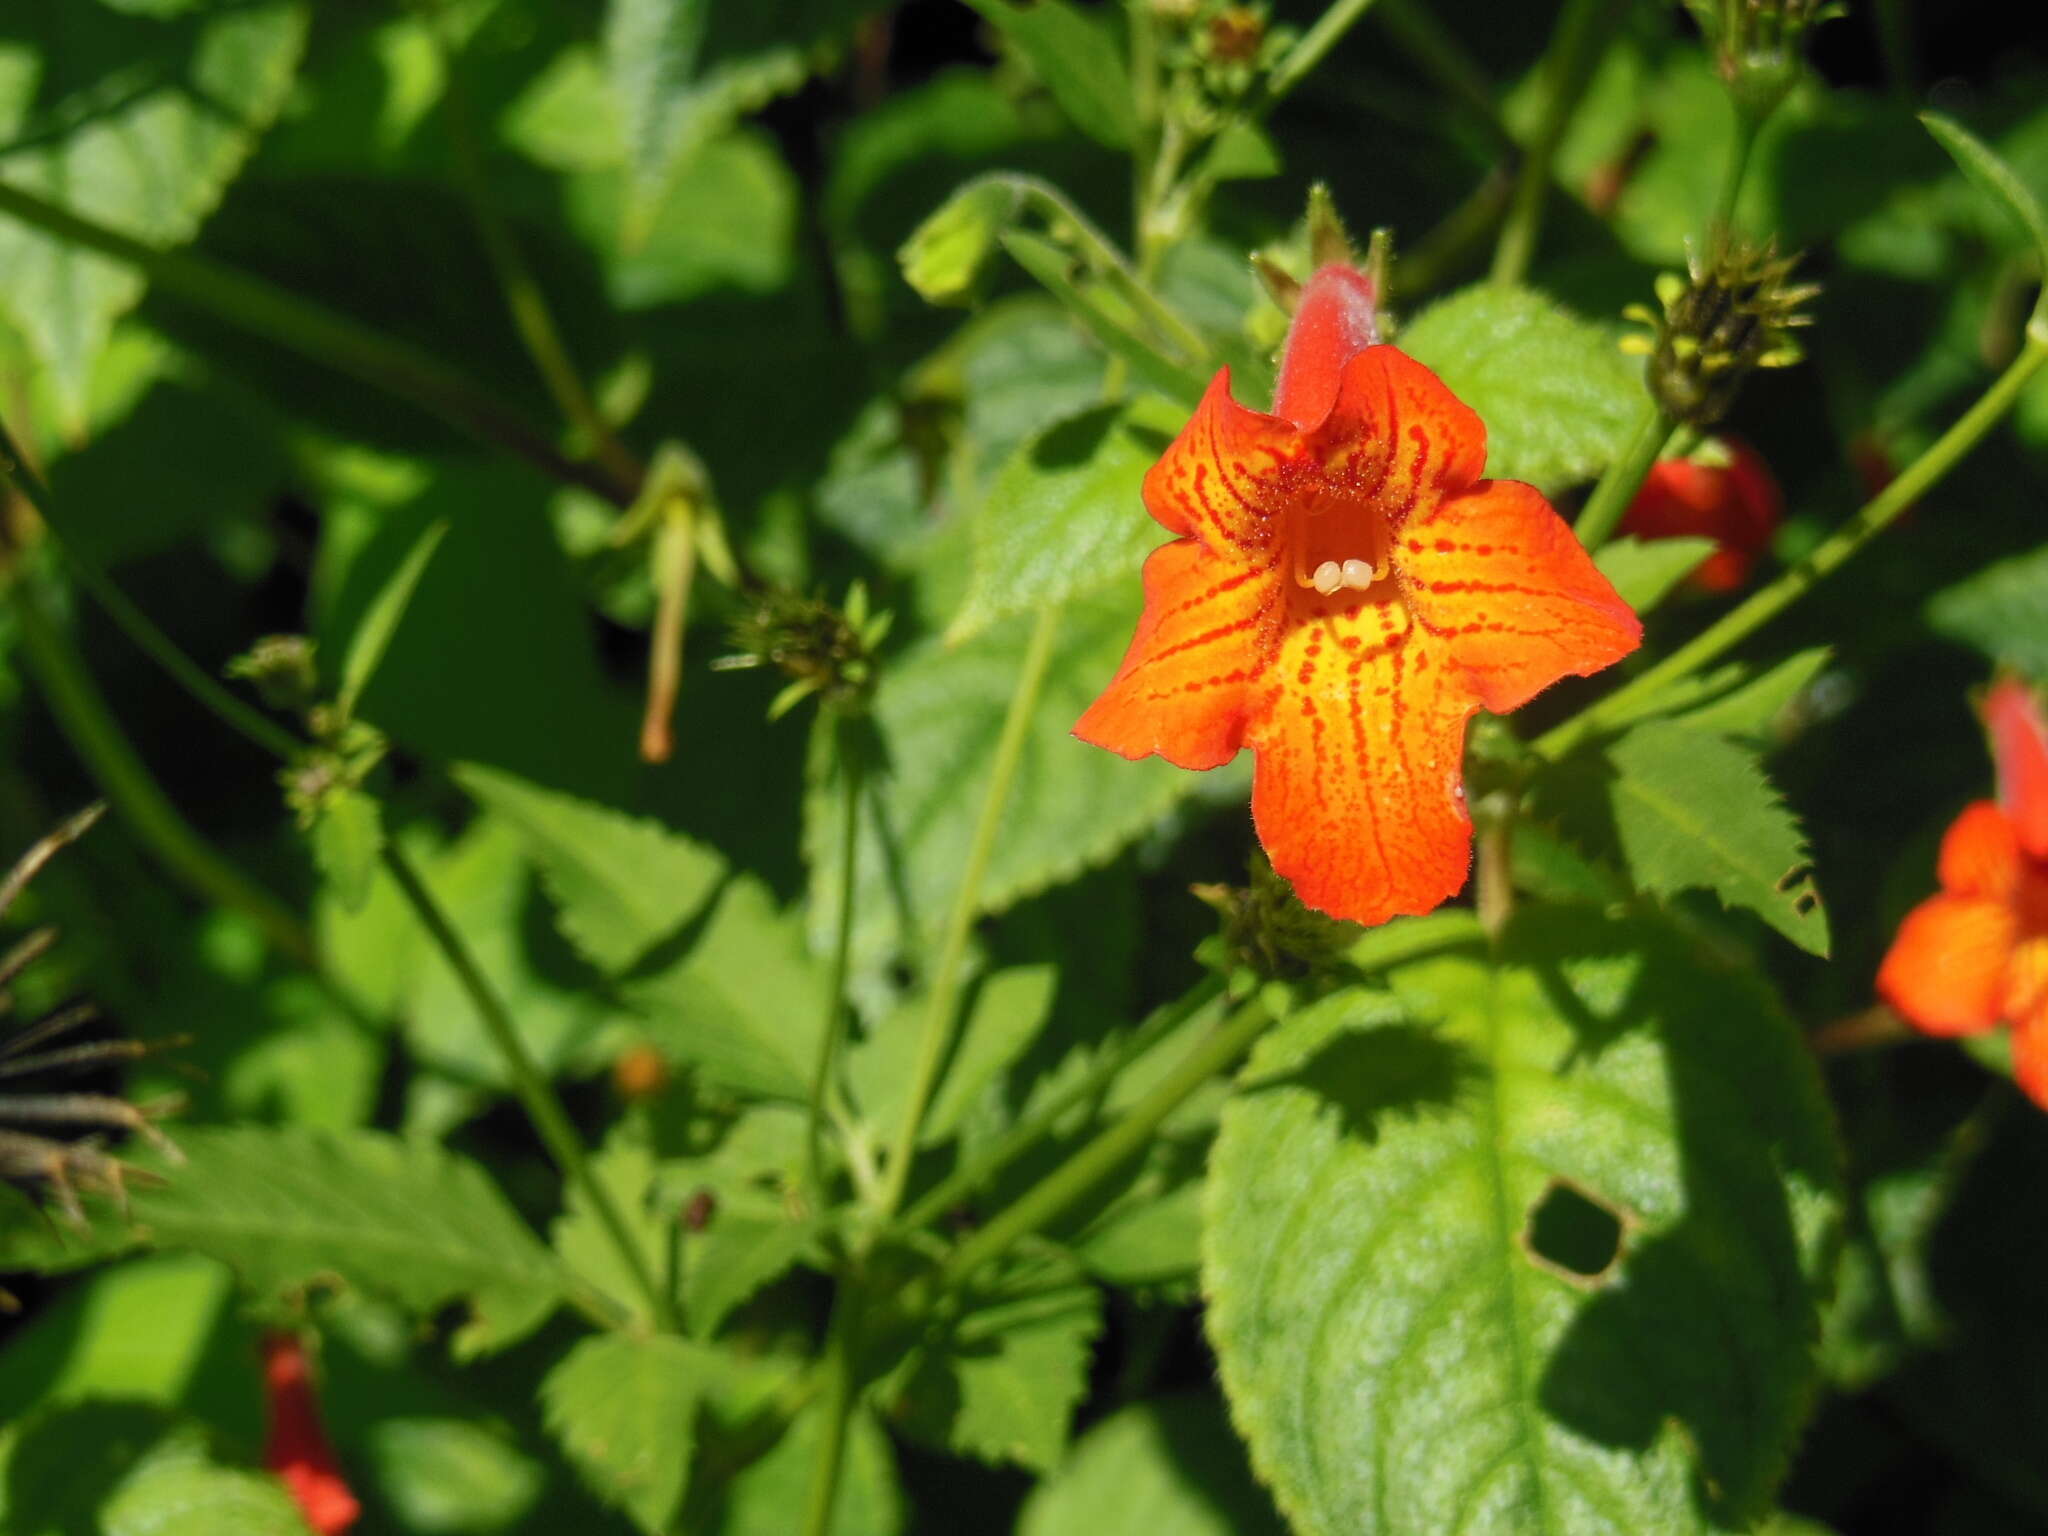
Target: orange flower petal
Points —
{"points": [[1512, 593], [1397, 433], [1360, 735], [1229, 477], [2030, 1056], [2026, 980], [1946, 969], [1980, 853], [2019, 744], [1181, 691]]}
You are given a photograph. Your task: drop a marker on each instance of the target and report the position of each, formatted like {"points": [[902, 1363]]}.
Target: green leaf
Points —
{"points": [[1111, 322], [1064, 516], [380, 621], [134, 121], [1074, 53], [939, 710], [768, 1497], [2001, 611], [744, 1003], [180, 1497], [1646, 571], [137, 1330], [1168, 1467], [1559, 400], [1001, 1383], [1687, 809], [1995, 179], [290, 1208], [452, 1477], [1745, 706], [684, 70], [753, 1228], [347, 840], [1009, 1009], [1407, 1343], [621, 884], [625, 1411]]}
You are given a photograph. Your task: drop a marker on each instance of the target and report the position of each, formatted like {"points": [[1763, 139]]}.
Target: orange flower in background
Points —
{"points": [[1976, 955], [1345, 592], [297, 1449], [1736, 504]]}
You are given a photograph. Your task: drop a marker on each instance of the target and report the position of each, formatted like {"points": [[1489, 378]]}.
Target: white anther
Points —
{"points": [[1329, 577], [1359, 574]]}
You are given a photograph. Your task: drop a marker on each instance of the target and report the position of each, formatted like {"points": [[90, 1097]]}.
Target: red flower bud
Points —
{"points": [[1737, 505], [297, 1449]]}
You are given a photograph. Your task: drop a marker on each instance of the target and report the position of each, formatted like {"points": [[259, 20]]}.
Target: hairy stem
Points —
{"points": [[325, 336], [1602, 512], [849, 760], [1033, 1128], [85, 718], [15, 470], [1584, 29], [529, 1083], [841, 1390], [943, 1005], [1079, 1174], [1827, 557]]}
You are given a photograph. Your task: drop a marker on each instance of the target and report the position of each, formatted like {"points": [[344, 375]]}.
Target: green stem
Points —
{"points": [[1747, 126], [1037, 1125], [1338, 18], [1602, 512], [849, 761], [524, 298], [821, 1503], [942, 1007], [325, 336], [1432, 45], [153, 642], [1079, 1174], [97, 737], [1750, 616], [549, 1119], [1584, 30]]}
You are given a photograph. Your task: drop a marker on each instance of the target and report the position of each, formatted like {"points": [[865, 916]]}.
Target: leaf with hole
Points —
{"points": [[1399, 1352]]}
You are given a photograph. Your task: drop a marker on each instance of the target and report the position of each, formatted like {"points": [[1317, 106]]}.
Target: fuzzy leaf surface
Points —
{"points": [[1558, 399], [1064, 517], [292, 1207], [625, 1411], [1399, 1356], [133, 120], [620, 883]]}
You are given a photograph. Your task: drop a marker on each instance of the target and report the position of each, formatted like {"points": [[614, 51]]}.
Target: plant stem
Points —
{"points": [[524, 297], [848, 758], [322, 334], [16, 470], [97, 737], [1204, 997], [1747, 126], [1338, 18], [1602, 512], [549, 1119], [1584, 29], [841, 1351], [1744, 620], [942, 1008], [1079, 1174]]}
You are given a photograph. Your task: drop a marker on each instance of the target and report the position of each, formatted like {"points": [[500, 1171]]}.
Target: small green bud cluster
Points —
{"points": [[1732, 313], [1268, 935], [1756, 45], [823, 650]]}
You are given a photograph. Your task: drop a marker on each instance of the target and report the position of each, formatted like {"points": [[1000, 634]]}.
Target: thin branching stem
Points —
{"points": [[550, 1121], [847, 757]]}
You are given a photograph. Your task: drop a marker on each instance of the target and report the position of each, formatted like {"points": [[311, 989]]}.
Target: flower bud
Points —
{"points": [[823, 650], [1268, 935], [280, 668], [1734, 312], [1756, 45]]}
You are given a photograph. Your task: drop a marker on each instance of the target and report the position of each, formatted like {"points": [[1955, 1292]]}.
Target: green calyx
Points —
{"points": [[1733, 313]]}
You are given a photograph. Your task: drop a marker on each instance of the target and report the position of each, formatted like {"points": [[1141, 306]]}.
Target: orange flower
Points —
{"points": [[297, 1449], [1976, 954], [1736, 504], [1345, 592]]}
